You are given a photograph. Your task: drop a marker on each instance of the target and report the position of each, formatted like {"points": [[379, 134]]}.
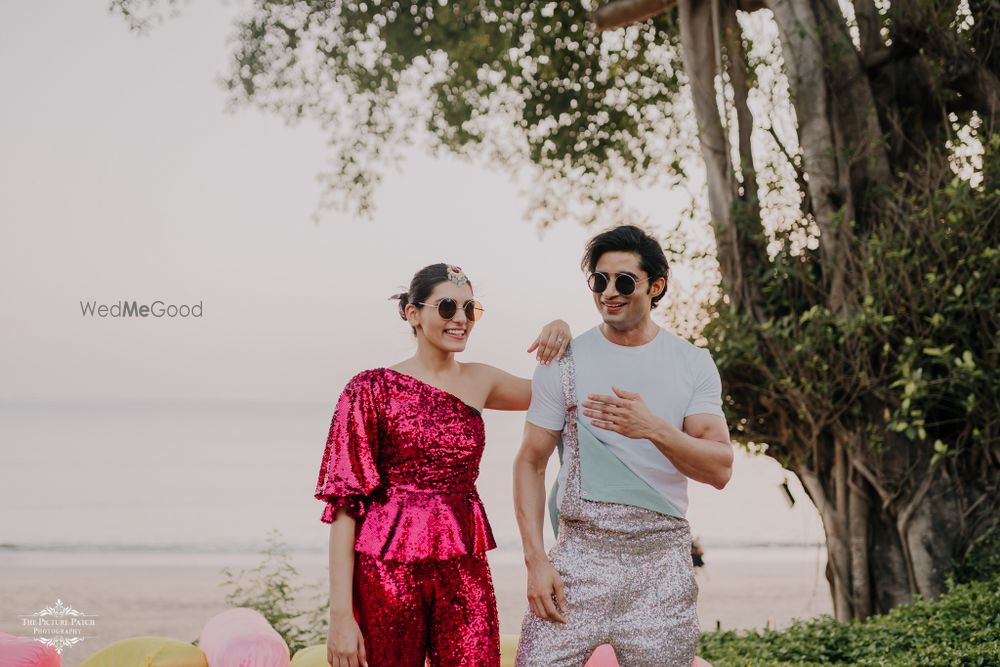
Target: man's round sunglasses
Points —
{"points": [[447, 308], [625, 283]]}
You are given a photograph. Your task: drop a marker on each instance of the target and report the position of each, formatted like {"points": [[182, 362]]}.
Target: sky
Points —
{"points": [[123, 178]]}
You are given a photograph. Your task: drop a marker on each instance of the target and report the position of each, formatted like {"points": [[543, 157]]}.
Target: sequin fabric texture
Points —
{"points": [[627, 575], [402, 457], [444, 609]]}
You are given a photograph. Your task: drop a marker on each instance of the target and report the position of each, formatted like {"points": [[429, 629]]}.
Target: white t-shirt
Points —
{"points": [[674, 378]]}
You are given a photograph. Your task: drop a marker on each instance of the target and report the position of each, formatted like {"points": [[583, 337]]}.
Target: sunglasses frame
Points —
{"points": [[477, 311], [618, 276]]}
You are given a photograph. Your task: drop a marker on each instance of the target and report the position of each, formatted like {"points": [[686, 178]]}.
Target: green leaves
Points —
{"points": [[918, 351], [940, 450], [517, 83], [961, 628], [967, 362], [296, 611]]}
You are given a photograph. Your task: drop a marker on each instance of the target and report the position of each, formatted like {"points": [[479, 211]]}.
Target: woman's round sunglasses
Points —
{"points": [[447, 308], [625, 283]]}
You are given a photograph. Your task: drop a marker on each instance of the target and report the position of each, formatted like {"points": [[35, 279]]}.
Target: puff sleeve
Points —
{"points": [[349, 471]]}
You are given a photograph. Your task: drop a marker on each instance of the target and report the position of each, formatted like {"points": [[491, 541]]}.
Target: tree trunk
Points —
{"points": [[893, 518], [747, 220], [858, 519], [838, 563], [739, 238], [698, 40], [887, 547], [802, 53]]}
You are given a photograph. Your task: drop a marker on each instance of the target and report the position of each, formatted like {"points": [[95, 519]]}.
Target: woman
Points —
{"points": [[408, 537]]}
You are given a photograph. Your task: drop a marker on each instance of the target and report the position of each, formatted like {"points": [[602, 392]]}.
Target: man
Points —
{"points": [[639, 412]]}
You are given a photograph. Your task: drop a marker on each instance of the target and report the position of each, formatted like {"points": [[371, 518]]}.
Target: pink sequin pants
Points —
{"points": [[444, 610]]}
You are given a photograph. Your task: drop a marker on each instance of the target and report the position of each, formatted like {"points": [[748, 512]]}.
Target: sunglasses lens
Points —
{"points": [[598, 282], [625, 284], [474, 310], [447, 308]]}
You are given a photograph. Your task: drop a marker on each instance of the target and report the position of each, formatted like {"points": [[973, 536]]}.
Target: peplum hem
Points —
{"points": [[410, 525]]}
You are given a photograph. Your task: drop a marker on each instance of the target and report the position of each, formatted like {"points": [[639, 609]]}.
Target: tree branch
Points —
{"points": [[887, 498], [873, 49], [620, 13], [839, 553], [903, 524], [800, 180]]}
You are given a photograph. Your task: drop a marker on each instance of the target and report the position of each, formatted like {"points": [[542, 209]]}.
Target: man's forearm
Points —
{"points": [[529, 507], [700, 459]]}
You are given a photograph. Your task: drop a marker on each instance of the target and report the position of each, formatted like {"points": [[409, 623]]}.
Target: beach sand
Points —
{"points": [[174, 600]]}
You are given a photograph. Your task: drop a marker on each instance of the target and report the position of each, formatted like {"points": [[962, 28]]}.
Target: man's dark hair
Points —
{"points": [[629, 238]]}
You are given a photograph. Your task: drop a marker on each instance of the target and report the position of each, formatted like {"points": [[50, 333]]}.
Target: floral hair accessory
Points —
{"points": [[456, 275]]}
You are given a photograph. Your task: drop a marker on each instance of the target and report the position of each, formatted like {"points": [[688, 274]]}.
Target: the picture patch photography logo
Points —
{"points": [[59, 626], [157, 308]]}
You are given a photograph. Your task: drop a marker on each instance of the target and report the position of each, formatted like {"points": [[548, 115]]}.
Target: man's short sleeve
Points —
{"points": [[547, 409], [707, 396]]}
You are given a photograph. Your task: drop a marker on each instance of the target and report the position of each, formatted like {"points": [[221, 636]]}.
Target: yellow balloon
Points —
{"points": [[313, 656], [508, 650], [147, 652]]}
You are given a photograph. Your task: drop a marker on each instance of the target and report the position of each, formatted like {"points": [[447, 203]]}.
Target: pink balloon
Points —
{"points": [[603, 656], [26, 652], [701, 662], [242, 638]]}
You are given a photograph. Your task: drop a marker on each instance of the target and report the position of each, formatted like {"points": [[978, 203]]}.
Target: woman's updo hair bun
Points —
{"points": [[423, 283], [404, 299]]}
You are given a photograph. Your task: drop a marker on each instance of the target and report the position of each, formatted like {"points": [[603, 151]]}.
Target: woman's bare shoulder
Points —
{"points": [[488, 373], [480, 371]]}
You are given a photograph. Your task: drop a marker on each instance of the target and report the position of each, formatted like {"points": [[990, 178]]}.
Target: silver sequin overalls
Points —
{"points": [[627, 573]]}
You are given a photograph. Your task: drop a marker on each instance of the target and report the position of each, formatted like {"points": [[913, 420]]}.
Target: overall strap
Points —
{"points": [[567, 376]]}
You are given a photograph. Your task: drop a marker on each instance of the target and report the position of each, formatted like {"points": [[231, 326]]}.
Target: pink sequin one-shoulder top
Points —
{"points": [[402, 457]]}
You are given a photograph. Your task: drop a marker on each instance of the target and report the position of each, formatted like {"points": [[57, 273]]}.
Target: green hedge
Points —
{"points": [[961, 628]]}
